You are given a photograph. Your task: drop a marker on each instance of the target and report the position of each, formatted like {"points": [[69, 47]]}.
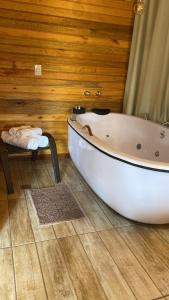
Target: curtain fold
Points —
{"points": [[147, 85]]}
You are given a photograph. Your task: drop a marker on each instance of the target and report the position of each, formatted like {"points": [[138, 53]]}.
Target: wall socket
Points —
{"points": [[38, 70]]}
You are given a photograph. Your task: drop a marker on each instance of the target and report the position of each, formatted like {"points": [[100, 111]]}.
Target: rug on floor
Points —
{"points": [[55, 204]]}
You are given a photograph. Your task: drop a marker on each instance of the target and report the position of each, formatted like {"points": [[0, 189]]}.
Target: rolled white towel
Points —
{"points": [[29, 132], [29, 143], [42, 141], [14, 130]]}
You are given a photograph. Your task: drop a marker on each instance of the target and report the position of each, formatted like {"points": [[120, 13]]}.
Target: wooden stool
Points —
{"points": [[6, 149]]}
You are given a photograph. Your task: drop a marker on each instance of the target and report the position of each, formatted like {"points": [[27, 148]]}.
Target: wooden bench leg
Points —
{"points": [[7, 173], [34, 155], [55, 161], [54, 156]]}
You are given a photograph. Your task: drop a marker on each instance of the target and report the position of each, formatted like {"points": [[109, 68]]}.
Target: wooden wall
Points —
{"points": [[81, 45]]}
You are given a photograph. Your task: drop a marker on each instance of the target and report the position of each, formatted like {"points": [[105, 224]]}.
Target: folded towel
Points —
{"points": [[29, 143], [25, 142], [42, 141], [14, 130], [24, 132], [30, 132]]}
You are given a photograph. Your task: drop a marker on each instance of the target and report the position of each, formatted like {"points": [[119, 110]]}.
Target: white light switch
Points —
{"points": [[38, 70]]}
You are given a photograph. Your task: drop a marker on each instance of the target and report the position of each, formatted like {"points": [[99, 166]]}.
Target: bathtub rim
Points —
{"points": [[122, 156]]}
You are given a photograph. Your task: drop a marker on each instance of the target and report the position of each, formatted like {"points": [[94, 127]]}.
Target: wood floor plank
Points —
{"points": [[7, 284], [48, 166], [64, 229], [77, 174], [29, 282], [147, 257], [156, 242], [70, 176], [83, 225], [3, 190], [41, 233], [138, 280], [105, 268], [16, 179], [21, 230], [42, 175], [73, 178], [27, 174], [92, 210], [115, 219], [163, 230], [5, 240], [57, 281], [77, 267], [80, 270]]}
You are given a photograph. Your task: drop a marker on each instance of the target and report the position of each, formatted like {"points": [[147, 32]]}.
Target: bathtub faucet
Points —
{"points": [[89, 129]]}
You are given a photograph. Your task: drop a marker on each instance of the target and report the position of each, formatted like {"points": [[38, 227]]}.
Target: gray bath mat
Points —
{"points": [[55, 204]]}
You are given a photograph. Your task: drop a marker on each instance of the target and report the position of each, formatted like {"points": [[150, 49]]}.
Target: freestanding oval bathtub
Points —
{"points": [[125, 161]]}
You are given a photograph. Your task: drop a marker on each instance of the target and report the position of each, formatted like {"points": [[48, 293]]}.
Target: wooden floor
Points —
{"points": [[101, 256]]}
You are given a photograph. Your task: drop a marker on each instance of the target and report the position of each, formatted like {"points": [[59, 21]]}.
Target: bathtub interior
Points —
{"points": [[131, 135]]}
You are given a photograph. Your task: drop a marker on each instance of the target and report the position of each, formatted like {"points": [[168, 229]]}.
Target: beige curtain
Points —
{"points": [[147, 86]]}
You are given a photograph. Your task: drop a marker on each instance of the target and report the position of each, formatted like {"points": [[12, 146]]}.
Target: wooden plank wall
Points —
{"points": [[81, 45]]}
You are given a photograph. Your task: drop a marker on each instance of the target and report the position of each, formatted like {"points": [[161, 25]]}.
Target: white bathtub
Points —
{"points": [[132, 181]]}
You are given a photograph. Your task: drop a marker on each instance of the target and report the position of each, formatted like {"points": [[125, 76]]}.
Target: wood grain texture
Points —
{"points": [[7, 284], [105, 268], [156, 243], [163, 230], [72, 179], [64, 229], [138, 280], [42, 175], [5, 239], [83, 225], [20, 224], [148, 257], [104, 264], [29, 282], [96, 216], [80, 270], [81, 45], [21, 230], [3, 190], [16, 179], [57, 281]]}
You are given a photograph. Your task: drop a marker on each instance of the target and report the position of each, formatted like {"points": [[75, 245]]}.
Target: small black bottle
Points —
{"points": [[78, 110]]}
